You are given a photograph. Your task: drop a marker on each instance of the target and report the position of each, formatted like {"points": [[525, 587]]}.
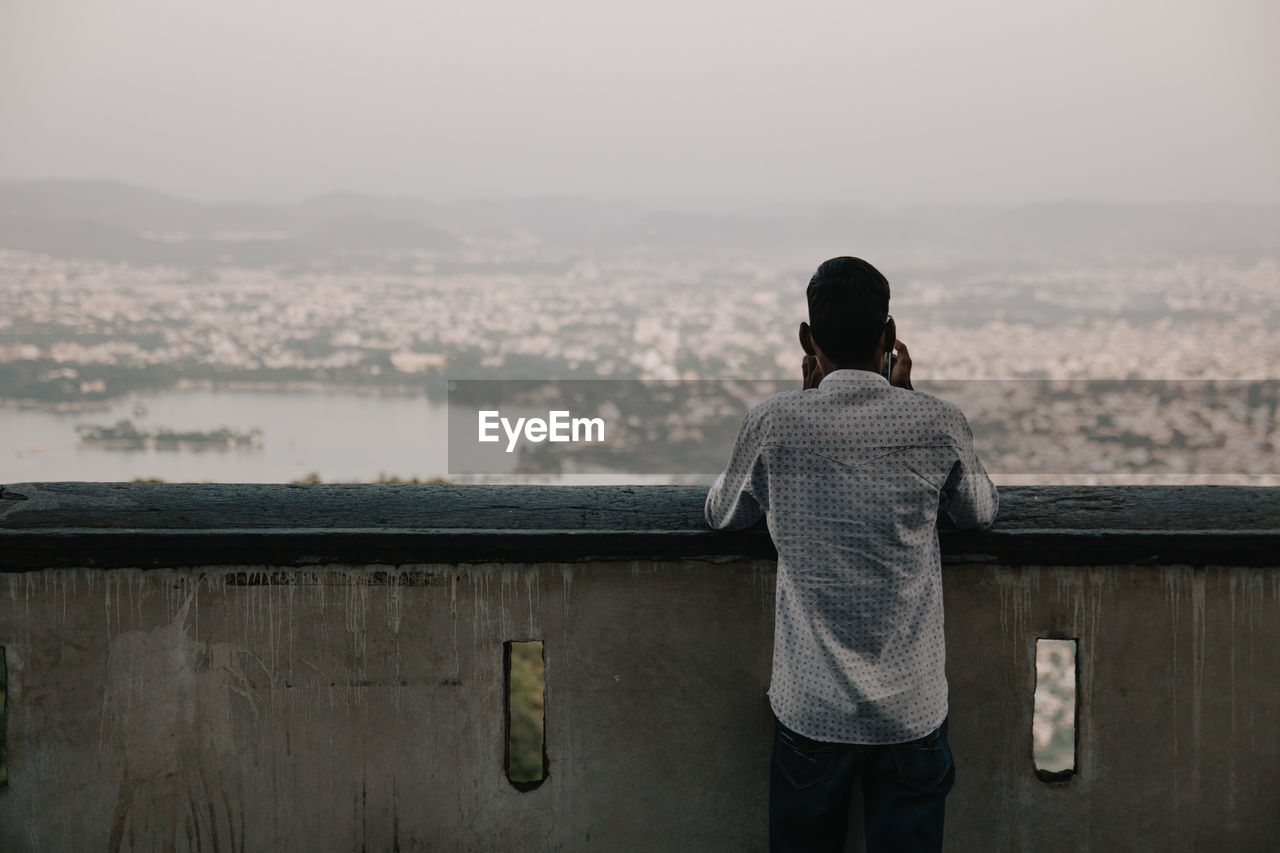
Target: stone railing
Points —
{"points": [[323, 668]]}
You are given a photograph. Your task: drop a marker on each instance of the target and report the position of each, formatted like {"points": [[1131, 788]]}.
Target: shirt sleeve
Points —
{"points": [[969, 497], [739, 495]]}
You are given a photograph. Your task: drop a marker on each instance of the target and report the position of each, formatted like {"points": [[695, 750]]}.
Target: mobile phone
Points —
{"points": [[887, 369]]}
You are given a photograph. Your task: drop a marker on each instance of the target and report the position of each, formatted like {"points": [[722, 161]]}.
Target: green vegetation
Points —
{"points": [[526, 727], [393, 480], [44, 380], [4, 696], [314, 479]]}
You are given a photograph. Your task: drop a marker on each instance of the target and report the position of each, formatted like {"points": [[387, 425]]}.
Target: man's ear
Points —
{"points": [[889, 336], [806, 339]]}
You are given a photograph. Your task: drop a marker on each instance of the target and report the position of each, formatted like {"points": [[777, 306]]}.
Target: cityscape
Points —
{"points": [[389, 310]]}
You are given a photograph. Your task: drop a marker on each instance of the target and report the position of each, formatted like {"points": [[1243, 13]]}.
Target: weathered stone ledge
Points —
{"points": [[149, 525]]}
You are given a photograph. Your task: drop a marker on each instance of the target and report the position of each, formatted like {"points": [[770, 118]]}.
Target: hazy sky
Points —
{"points": [[707, 103]]}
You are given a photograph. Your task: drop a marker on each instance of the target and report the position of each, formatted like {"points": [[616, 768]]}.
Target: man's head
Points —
{"points": [[848, 307]]}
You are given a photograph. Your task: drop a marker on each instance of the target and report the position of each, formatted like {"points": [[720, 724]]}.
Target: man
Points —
{"points": [[851, 473]]}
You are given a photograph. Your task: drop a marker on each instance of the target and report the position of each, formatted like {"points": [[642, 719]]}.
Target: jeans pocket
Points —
{"points": [[803, 762], [926, 764]]}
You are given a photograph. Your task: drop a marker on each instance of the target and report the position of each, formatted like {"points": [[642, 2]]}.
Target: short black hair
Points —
{"points": [[848, 305]]}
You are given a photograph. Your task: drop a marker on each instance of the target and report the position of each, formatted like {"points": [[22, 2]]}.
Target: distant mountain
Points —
{"points": [[120, 222], [108, 202], [800, 228], [79, 238], [338, 206], [1169, 227], [115, 221], [371, 233]]}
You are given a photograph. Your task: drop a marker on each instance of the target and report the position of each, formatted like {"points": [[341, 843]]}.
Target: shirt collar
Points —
{"points": [[851, 378]]}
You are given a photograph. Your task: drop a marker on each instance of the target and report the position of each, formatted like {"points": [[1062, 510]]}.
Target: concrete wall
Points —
{"points": [[309, 706]]}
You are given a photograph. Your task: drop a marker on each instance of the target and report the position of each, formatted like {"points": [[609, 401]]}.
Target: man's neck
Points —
{"points": [[865, 365]]}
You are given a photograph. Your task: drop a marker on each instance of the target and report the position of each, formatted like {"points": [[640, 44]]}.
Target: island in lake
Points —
{"points": [[125, 436]]}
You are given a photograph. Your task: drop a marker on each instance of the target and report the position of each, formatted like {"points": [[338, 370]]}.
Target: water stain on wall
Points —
{"points": [[168, 732]]}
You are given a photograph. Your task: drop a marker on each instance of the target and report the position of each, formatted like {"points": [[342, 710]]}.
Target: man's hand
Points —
{"points": [[809, 367], [900, 374], [812, 371]]}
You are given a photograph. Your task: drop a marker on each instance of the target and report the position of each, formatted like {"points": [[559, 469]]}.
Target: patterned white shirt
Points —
{"points": [[851, 476]]}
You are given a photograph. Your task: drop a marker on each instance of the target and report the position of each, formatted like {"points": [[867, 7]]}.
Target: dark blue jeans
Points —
{"points": [[904, 786]]}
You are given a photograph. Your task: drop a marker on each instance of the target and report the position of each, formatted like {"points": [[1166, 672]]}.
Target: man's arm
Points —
{"points": [[969, 497], [736, 498]]}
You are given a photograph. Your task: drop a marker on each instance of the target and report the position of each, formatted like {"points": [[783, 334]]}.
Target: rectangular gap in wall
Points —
{"points": [[4, 707], [526, 692], [1053, 726]]}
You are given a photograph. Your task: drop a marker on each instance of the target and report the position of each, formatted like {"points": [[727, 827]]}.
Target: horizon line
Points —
{"points": [[705, 207]]}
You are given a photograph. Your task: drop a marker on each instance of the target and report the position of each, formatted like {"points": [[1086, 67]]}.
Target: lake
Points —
{"points": [[343, 436]]}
